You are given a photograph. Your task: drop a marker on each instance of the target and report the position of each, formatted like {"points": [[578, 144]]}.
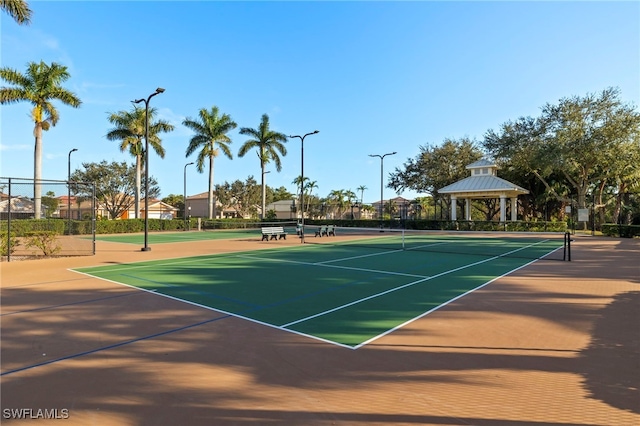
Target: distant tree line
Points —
{"points": [[583, 151]]}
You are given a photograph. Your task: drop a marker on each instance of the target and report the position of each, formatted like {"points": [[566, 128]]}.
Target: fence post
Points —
{"points": [[9, 224]]}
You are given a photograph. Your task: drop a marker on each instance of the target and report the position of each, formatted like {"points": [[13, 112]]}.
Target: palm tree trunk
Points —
{"points": [[264, 198], [37, 172], [210, 198]]}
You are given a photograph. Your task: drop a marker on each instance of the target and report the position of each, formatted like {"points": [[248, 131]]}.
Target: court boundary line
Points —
{"points": [[407, 285], [285, 326], [322, 264], [442, 305]]}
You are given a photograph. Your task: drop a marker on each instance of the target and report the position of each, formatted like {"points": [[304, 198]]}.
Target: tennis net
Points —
{"points": [[487, 244]]}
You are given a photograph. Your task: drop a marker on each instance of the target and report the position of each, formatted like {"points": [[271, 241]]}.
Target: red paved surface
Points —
{"points": [[556, 343]]}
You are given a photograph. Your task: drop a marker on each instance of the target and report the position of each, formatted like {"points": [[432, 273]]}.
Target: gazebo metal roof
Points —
{"points": [[484, 185]]}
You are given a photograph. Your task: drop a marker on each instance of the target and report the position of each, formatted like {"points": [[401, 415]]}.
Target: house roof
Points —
{"points": [[19, 204], [155, 204], [200, 195], [397, 200]]}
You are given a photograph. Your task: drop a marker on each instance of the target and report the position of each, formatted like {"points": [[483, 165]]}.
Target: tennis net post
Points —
{"points": [[567, 247]]}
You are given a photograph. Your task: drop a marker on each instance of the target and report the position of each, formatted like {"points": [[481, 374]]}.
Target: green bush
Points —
{"points": [[8, 246], [47, 241], [21, 227], [624, 231]]}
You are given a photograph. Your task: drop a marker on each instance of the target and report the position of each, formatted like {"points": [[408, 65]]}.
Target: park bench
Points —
{"points": [[273, 233]]}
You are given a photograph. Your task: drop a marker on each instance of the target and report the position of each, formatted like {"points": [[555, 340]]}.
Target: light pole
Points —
{"points": [[184, 200], [302, 180], [381, 157], [146, 165], [69, 189]]}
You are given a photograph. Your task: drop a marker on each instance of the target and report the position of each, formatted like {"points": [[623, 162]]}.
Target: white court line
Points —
{"points": [[322, 264], [404, 286], [366, 342], [358, 257]]}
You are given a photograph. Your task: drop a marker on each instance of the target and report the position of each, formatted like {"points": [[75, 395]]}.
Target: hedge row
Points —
{"points": [[20, 227], [447, 225], [625, 231]]}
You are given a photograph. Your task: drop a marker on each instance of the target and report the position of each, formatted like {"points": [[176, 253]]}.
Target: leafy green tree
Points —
{"points": [[282, 193], [436, 167], [577, 146], [390, 209], [129, 129], [115, 185], [268, 143], [176, 201], [241, 196], [50, 203], [585, 134], [40, 85], [338, 200], [18, 10], [210, 138]]}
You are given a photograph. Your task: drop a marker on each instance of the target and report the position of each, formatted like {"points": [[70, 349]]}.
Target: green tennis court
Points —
{"points": [[340, 292]]}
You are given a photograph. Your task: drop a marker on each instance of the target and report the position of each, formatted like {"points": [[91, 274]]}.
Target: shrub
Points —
{"points": [[625, 231], [8, 246], [46, 241]]}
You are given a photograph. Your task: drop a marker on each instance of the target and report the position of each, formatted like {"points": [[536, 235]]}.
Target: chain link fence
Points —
{"points": [[46, 218]]}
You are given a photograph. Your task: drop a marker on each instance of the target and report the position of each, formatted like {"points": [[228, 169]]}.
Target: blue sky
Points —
{"points": [[372, 77]]}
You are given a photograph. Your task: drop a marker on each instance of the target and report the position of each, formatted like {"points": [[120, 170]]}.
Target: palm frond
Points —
{"points": [[18, 10]]}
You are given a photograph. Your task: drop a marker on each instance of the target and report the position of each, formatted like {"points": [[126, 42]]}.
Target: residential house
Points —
{"points": [[198, 206], [158, 210], [401, 207], [284, 209], [20, 208]]}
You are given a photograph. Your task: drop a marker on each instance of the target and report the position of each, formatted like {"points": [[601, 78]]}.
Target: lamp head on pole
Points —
{"points": [[73, 150], [159, 90]]}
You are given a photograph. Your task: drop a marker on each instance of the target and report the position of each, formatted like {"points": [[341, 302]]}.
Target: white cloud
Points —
{"points": [[19, 147]]}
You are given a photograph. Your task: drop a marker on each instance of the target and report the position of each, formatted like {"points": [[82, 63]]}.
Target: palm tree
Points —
{"points": [[40, 85], [361, 188], [211, 138], [338, 199], [18, 10], [309, 187], [300, 184], [268, 143], [129, 130]]}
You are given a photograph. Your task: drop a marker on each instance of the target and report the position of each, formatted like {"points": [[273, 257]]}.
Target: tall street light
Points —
{"points": [[146, 165], [69, 188], [184, 200], [381, 157], [302, 180]]}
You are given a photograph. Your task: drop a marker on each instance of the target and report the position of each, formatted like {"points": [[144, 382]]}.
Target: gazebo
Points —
{"points": [[484, 183]]}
